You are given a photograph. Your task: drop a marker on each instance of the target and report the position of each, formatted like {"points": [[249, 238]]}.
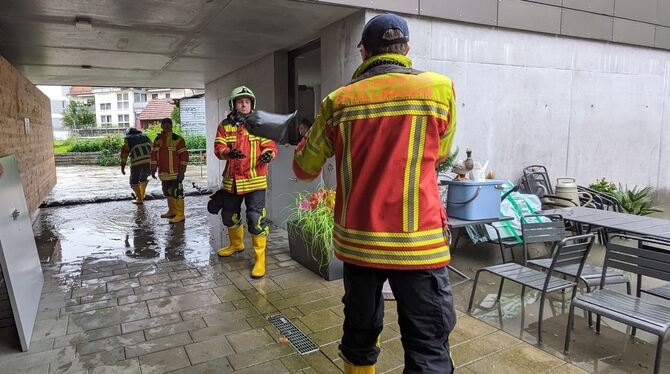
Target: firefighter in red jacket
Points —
{"points": [[388, 128], [169, 157], [244, 178]]}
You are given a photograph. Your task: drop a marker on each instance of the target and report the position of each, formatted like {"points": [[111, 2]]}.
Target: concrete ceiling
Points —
{"points": [[152, 43]]}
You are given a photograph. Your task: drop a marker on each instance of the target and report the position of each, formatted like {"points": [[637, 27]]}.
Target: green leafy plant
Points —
{"points": [[604, 186], [446, 165], [312, 213], [108, 158], [112, 143], [77, 115], [638, 202]]}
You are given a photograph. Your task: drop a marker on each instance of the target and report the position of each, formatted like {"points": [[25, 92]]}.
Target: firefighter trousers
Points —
{"points": [[426, 316]]}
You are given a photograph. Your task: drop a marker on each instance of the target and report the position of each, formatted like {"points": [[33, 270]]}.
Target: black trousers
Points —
{"points": [[255, 208], [139, 173], [426, 316]]}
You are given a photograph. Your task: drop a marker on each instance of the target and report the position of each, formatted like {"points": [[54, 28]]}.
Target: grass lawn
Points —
{"points": [[61, 146]]}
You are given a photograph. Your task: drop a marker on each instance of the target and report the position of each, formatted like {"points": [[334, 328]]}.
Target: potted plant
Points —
{"points": [[310, 233]]}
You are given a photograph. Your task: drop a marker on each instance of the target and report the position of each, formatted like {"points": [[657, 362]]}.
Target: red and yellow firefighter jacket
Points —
{"points": [[387, 129], [169, 156], [138, 147], [245, 175]]}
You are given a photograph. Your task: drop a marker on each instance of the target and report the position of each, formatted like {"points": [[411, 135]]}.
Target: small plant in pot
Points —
{"points": [[310, 232]]}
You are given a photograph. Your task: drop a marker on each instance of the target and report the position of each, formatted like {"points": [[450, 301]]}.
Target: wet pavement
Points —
{"points": [[86, 183], [127, 292]]}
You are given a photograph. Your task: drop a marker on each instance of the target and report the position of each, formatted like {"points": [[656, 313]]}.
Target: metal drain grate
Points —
{"points": [[297, 338]]}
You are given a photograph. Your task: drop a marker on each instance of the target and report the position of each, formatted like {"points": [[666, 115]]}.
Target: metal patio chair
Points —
{"points": [[569, 251], [627, 309]]}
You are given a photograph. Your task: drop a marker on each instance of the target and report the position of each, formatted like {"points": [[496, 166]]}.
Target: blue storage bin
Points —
{"points": [[470, 200]]}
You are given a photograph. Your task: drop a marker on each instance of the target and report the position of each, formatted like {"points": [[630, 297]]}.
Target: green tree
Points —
{"points": [[77, 116], [175, 116]]}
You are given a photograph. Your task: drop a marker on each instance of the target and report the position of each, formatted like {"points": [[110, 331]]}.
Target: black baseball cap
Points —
{"points": [[373, 32]]}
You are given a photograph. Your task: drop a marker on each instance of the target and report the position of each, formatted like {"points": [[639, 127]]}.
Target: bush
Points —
{"points": [[195, 141], [111, 143], [108, 158]]}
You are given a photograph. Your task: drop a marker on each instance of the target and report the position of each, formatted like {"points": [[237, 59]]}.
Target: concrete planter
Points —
{"points": [[300, 252]]}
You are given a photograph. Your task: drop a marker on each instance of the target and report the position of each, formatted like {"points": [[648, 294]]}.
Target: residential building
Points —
{"points": [[59, 100], [155, 111]]}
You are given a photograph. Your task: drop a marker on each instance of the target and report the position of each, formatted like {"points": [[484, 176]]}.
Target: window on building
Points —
{"points": [[105, 106], [140, 97], [122, 101], [154, 96], [167, 95], [124, 120], [106, 120]]}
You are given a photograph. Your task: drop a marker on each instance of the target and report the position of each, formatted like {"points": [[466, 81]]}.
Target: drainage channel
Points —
{"points": [[297, 338]]}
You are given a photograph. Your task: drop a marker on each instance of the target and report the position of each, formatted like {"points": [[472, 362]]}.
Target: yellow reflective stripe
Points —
{"points": [[437, 255], [386, 252], [345, 167], [434, 237], [219, 139], [410, 199], [393, 108], [252, 159], [265, 141], [389, 234]]}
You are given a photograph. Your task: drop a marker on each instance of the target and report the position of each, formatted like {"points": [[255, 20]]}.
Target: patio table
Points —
{"points": [[639, 225]]}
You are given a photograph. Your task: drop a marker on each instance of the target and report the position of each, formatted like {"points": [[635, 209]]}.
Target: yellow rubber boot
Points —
{"points": [[171, 208], [236, 237], [138, 193], [143, 189], [179, 211], [353, 369], [259, 250]]}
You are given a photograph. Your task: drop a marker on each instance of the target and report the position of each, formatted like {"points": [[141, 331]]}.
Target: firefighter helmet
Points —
{"points": [[241, 91]]}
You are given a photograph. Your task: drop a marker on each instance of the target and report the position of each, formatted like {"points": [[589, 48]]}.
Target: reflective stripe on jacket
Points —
{"points": [[138, 147], [169, 155], [387, 130], [245, 175]]}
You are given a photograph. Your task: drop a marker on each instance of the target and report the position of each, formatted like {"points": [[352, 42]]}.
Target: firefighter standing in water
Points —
{"points": [[138, 146], [387, 129], [169, 157], [244, 178]]}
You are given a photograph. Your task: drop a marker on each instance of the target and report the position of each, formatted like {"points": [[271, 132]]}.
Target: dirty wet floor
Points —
{"points": [[126, 292]]}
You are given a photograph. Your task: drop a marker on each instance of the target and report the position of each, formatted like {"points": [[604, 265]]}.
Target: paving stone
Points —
{"points": [[87, 291], [209, 350], [106, 296], [247, 340], [242, 304], [220, 318], [150, 280], [192, 288], [159, 344], [218, 366], [326, 336], [123, 284], [228, 293], [295, 279], [294, 363], [86, 336], [184, 274], [224, 328], [108, 277], [321, 320], [88, 306], [150, 322], [107, 317], [468, 328], [143, 297], [568, 369], [481, 346], [179, 303], [521, 359], [260, 355], [55, 357], [322, 304], [175, 328], [157, 287], [301, 299], [87, 362], [111, 342], [131, 366], [240, 281], [321, 364], [164, 361], [50, 328], [208, 310]]}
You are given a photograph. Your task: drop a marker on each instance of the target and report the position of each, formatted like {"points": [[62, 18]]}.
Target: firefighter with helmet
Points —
{"points": [[244, 178]]}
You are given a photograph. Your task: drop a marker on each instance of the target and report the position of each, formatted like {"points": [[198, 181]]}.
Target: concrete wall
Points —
{"points": [[583, 108], [638, 22], [77, 158], [20, 99]]}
